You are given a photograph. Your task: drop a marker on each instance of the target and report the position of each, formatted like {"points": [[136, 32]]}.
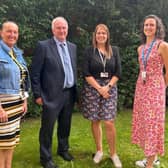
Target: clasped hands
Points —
{"points": [[104, 91]]}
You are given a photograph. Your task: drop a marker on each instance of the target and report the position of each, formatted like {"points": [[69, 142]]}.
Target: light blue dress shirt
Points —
{"points": [[66, 62]]}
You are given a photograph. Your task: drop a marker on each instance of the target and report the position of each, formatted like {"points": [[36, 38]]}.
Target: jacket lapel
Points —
{"points": [[71, 56], [55, 53]]}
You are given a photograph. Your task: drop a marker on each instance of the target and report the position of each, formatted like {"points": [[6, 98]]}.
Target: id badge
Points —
{"points": [[104, 74], [143, 75]]}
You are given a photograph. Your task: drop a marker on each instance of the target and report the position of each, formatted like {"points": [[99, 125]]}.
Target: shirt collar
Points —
{"points": [[8, 49], [59, 42]]}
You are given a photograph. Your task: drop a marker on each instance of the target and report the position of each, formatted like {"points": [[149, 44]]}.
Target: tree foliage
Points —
{"points": [[122, 17]]}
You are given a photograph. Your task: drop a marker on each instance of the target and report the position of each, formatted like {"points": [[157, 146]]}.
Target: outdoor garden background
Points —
{"points": [[123, 18]]}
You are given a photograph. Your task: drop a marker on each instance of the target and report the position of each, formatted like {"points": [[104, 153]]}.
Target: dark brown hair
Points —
{"points": [[160, 30]]}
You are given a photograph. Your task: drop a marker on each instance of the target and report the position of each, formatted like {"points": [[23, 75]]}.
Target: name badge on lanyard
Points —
{"points": [[143, 75], [103, 74], [145, 60]]}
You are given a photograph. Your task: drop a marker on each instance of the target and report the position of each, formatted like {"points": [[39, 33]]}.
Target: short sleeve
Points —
{"points": [[86, 61]]}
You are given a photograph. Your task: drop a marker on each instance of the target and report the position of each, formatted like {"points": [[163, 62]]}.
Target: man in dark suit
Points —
{"points": [[53, 76]]}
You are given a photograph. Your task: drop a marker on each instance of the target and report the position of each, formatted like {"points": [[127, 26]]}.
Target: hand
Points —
{"points": [[25, 107], [3, 115], [104, 91], [39, 101], [166, 80], [106, 94]]}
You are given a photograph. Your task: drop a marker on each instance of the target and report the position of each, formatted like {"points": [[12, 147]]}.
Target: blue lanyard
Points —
{"points": [[145, 59]]}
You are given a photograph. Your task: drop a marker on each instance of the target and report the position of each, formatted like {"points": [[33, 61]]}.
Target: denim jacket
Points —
{"points": [[10, 72]]}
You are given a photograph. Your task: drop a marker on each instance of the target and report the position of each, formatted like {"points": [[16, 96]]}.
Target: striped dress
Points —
{"points": [[13, 106], [10, 130]]}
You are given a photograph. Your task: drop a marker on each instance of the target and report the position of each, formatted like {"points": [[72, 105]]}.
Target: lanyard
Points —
{"points": [[103, 60], [145, 59]]}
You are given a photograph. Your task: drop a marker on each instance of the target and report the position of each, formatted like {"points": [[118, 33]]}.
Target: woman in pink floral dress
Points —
{"points": [[149, 103]]}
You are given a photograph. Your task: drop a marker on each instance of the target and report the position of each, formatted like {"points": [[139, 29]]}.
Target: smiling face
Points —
{"points": [[60, 29], [150, 27], [101, 36], [9, 33]]}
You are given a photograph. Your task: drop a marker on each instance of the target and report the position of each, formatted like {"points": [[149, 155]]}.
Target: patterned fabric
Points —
{"points": [[149, 106], [10, 130], [94, 106]]}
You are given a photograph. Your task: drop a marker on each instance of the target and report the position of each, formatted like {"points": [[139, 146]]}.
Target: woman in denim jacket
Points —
{"points": [[14, 85]]}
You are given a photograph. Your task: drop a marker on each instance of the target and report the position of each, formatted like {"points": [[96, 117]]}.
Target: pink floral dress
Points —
{"points": [[149, 105]]}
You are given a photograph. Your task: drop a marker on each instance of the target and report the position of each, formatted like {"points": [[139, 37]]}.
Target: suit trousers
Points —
{"points": [[63, 115]]}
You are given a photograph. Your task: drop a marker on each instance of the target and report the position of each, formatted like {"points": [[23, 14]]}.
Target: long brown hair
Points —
{"points": [[108, 48]]}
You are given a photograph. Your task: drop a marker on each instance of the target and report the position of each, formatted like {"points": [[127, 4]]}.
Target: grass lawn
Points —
{"points": [[82, 147]]}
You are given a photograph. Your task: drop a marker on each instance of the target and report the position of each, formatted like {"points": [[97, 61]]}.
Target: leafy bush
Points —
{"points": [[34, 110]]}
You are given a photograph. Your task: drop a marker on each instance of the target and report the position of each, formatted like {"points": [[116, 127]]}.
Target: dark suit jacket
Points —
{"points": [[47, 73]]}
